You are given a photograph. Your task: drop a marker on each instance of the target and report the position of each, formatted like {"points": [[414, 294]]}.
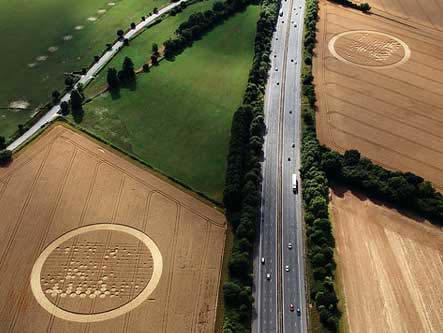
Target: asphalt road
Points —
{"points": [[89, 76], [282, 220]]}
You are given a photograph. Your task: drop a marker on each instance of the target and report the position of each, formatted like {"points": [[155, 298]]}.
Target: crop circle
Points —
{"points": [[369, 49], [96, 272]]}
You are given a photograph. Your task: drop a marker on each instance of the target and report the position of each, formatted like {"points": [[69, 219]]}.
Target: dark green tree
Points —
{"points": [[64, 108], [2, 142], [127, 72], [112, 79], [5, 157], [76, 100]]}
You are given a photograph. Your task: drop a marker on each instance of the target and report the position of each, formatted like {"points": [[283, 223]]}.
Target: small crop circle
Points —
{"points": [[96, 272], [369, 49]]}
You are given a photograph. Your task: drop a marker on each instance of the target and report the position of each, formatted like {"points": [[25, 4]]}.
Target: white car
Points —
{"points": [[290, 246], [287, 268], [263, 260], [268, 276]]}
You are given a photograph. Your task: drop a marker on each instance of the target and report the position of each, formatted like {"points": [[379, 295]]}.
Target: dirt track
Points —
{"points": [[391, 111], [104, 239], [391, 268]]}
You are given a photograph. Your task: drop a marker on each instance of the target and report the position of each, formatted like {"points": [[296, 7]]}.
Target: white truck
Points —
{"points": [[294, 183]]}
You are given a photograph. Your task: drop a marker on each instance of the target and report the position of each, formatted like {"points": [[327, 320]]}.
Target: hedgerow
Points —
{"points": [[242, 193], [319, 234]]}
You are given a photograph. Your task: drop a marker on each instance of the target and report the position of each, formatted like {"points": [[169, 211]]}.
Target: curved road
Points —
{"points": [[89, 76], [282, 221]]}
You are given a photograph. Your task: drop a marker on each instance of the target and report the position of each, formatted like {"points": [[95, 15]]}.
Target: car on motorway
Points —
{"points": [[290, 246], [298, 312], [276, 69], [268, 276], [291, 307], [287, 269], [263, 260]]}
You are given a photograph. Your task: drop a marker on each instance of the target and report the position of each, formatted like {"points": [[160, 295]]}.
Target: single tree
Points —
{"points": [[5, 156], [64, 108], [155, 10], [112, 79], [69, 82], [2, 142], [120, 33], [128, 69], [76, 100], [155, 48], [133, 25], [365, 7], [55, 96]]}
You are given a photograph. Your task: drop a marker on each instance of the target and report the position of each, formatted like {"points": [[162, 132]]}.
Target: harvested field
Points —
{"points": [[91, 243], [427, 13], [390, 267], [379, 88]]}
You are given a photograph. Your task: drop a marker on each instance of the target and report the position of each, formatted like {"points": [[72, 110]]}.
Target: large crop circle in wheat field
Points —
{"points": [[369, 49], [96, 272]]}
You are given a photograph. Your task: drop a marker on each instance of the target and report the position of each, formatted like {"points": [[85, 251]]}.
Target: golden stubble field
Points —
{"points": [[390, 267], [89, 242], [379, 83]]}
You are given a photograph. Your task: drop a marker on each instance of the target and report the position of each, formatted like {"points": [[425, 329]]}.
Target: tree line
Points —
{"points": [[364, 7], [200, 23], [242, 192], [320, 238]]}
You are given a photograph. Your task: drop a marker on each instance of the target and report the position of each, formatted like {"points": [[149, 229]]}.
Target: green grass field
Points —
{"points": [[178, 117], [60, 31], [140, 49]]}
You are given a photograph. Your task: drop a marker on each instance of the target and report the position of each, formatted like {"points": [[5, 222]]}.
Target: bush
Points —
{"points": [[5, 157]]}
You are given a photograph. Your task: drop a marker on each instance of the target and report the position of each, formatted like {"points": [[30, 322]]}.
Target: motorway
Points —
{"points": [[281, 219], [90, 74]]}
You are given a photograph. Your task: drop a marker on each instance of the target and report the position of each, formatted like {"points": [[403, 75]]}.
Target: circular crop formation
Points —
{"points": [[96, 272], [370, 49]]}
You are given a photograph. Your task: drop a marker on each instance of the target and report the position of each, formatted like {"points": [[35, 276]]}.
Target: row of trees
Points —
{"points": [[364, 7], [315, 194], [200, 23], [242, 193], [405, 190], [123, 77]]}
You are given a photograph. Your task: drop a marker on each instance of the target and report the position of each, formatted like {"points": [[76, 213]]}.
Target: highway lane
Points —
{"points": [[90, 75], [281, 220]]}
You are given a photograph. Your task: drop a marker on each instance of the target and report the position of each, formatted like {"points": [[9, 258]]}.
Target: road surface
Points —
{"points": [[282, 221], [90, 74]]}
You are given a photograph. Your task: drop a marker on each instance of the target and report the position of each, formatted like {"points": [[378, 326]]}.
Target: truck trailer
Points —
{"points": [[294, 183]]}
